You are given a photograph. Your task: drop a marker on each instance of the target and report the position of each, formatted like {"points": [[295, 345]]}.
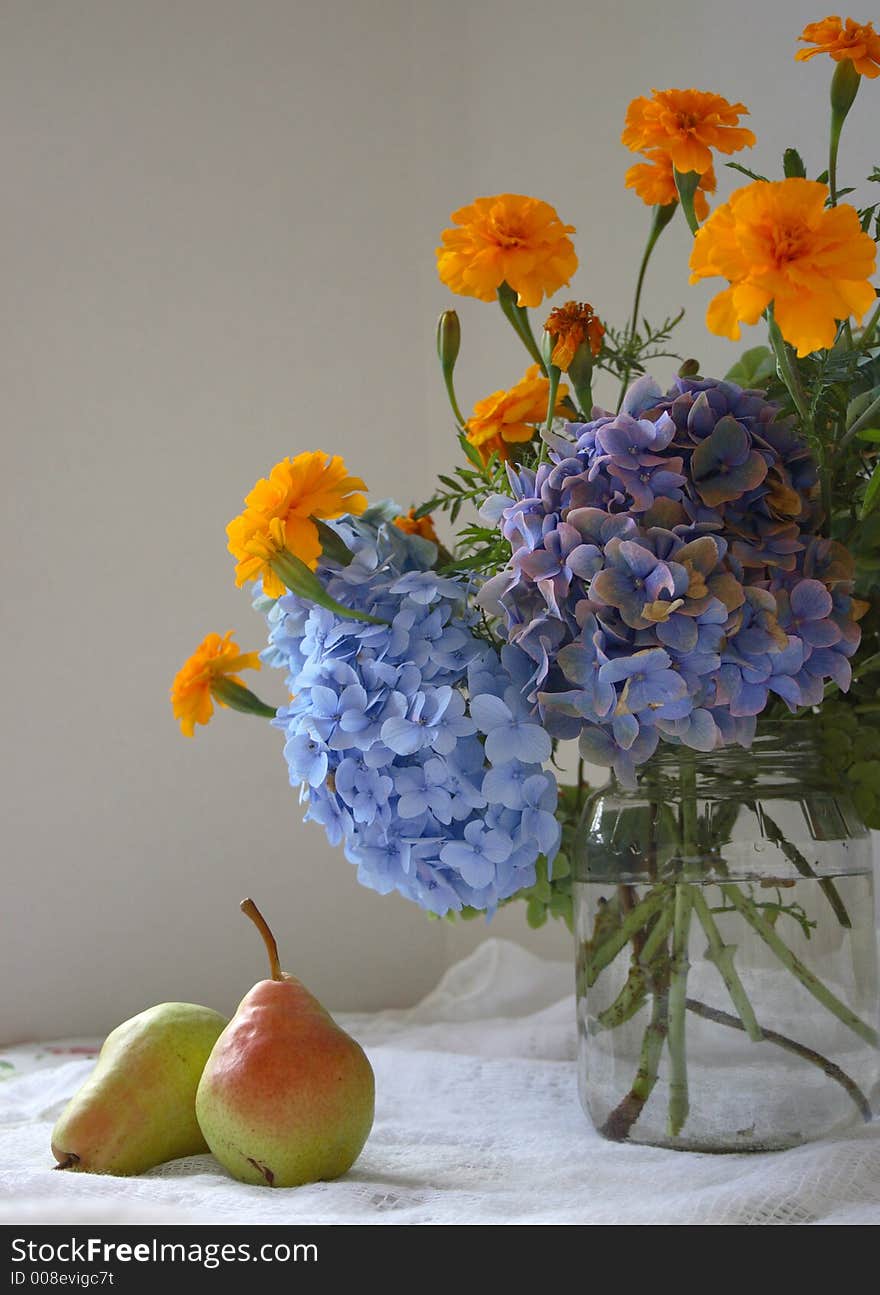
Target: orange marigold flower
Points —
{"points": [[849, 39], [507, 239], [507, 417], [192, 694], [572, 325], [413, 525], [654, 182], [776, 242], [686, 124], [279, 511]]}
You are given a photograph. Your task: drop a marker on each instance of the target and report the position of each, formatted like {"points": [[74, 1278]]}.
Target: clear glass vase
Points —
{"points": [[726, 951]]}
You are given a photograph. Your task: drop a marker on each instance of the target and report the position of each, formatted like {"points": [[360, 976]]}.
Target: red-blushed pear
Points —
{"points": [[286, 1096], [137, 1108]]}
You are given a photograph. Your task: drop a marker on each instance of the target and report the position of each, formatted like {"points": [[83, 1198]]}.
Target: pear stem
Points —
{"points": [[248, 907]]}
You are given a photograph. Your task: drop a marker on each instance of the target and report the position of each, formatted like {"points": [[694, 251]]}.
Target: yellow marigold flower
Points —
{"points": [[776, 242], [849, 39], [572, 325], [413, 525], [507, 417], [686, 124], [507, 239], [279, 510], [654, 182], [192, 694]]}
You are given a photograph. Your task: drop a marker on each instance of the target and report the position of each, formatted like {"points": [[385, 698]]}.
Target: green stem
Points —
{"points": [[657, 937], [627, 899], [794, 856], [869, 330], [844, 87], [722, 955], [791, 1045], [834, 145], [687, 773], [786, 367], [529, 337], [660, 218], [517, 317], [678, 1080], [619, 1123], [627, 1002], [596, 959], [453, 402], [790, 959], [553, 376]]}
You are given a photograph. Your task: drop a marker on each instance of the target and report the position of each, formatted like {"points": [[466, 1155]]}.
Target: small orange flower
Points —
{"points": [[686, 124], [192, 691], [507, 239], [413, 525], [508, 417], [851, 40], [654, 182], [572, 325], [777, 243], [279, 510]]}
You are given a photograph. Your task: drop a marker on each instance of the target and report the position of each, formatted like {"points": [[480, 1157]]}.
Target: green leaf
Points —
{"points": [[536, 913], [793, 165], [865, 217], [871, 663], [332, 543], [865, 802], [859, 406], [754, 368], [872, 494], [561, 866], [869, 434], [471, 452], [866, 771], [424, 509], [744, 170]]}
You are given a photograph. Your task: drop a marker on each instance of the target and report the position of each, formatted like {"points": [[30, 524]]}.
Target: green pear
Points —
{"points": [[137, 1108], [286, 1096]]}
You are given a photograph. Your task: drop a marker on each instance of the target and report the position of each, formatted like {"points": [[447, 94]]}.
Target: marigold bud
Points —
{"points": [[448, 340]]}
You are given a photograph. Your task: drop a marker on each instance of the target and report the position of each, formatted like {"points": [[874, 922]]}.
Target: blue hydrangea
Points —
{"points": [[412, 741]]}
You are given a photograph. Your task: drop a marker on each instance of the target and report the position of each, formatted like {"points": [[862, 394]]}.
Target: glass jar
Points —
{"points": [[726, 951]]}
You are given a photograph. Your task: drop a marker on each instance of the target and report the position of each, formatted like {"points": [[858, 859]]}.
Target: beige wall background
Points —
{"points": [[218, 223]]}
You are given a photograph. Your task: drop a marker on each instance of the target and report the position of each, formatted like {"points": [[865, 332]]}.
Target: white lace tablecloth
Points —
{"points": [[477, 1121]]}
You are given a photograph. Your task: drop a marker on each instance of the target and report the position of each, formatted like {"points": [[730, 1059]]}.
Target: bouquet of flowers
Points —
{"points": [[674, 571]]}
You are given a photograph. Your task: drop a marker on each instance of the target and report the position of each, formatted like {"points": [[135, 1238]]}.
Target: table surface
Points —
{"points": [[477, 1121]]}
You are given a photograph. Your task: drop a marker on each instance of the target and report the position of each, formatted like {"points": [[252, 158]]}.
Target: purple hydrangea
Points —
{"points": [[666, 579]]}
